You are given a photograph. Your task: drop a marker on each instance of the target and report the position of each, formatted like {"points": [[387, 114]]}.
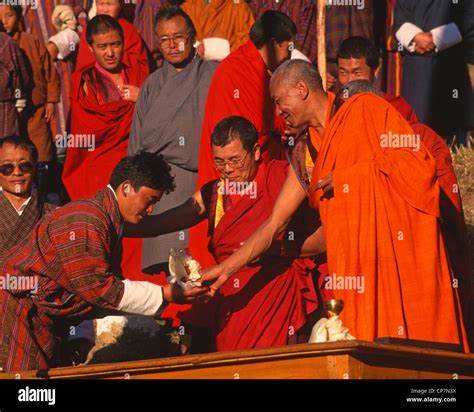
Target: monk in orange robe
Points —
{"points": [[379, 206], [358, 59], [225, 19]]}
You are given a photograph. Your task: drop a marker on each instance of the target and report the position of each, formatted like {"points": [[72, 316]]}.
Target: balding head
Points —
{"points": [[294, 71], [295, 87]]}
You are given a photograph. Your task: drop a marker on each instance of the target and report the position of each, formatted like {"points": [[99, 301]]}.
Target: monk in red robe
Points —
{"points": [[379, 207], [135, 51], [240, 87], [102, 101], [271, 301]]}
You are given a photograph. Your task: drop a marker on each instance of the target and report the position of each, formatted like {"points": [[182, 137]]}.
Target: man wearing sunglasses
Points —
{"points": [[20, 206], [272, 301]]}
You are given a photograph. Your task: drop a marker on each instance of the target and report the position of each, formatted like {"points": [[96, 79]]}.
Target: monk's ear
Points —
{"points": [[126, 188], [257, 152], [303, 89]]}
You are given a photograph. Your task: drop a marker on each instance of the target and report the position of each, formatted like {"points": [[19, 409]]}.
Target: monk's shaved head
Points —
{"points": [[293, 71]]}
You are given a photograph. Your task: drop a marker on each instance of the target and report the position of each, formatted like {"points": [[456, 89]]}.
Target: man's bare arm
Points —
{"points": [[290, 198], [313, 245], [181, 217]]}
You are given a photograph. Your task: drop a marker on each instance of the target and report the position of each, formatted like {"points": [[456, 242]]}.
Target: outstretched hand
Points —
{"points": [[176, 294], [214, 277]]}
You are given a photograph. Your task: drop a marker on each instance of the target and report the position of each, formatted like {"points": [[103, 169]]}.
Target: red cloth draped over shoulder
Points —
{"points": [[453, 224], [399, 103], [108, 127], [240, 87], [382, 225], [134, 53], [264, 303]]}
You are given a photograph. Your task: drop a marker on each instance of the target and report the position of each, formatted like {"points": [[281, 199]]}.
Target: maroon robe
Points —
{"points": [[268, 302]]}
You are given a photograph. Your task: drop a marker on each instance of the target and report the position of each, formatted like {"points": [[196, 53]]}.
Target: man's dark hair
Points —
{"points": [[169, 12], [357, 47], [22, 142], [235, 127], [18, 11], [102, 24], [272, 25], [144, 169]]}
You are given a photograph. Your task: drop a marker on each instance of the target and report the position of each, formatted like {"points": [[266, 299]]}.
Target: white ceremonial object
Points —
{"points": [[183, 269], [329, 330]]}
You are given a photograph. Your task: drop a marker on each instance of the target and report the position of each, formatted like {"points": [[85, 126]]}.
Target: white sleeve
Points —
{"points": [[406, 33], [141, 298], [66, 41], [446, 36]]}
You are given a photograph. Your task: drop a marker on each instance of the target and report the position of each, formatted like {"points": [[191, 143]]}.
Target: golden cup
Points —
{"points": [[333, 307]]}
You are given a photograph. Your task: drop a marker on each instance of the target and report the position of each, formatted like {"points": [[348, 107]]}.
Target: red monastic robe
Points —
{"points": [[266, 303], [240, 87]]}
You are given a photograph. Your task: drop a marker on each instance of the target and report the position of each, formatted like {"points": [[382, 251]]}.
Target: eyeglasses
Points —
{"points": [[8, 168], [165, 41], [235, 163]]}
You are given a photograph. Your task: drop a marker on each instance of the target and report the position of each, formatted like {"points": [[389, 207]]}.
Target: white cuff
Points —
{"points": [[216, 48], [446, 36], [141, 298], [66, 41], [406, 33]]}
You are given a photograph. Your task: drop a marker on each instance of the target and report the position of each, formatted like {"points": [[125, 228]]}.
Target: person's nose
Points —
{"points": [[149, 209], [228, 168], [278, 111]]}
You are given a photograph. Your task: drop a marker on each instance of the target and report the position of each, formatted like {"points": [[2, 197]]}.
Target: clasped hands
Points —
{"points": [[424, 43]]}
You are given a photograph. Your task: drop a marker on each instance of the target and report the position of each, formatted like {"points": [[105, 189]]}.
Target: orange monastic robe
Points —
{"points": [[221, 18], [381, 228]]}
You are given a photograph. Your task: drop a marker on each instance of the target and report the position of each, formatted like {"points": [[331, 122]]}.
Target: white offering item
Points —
{"points": [[178, 262]]}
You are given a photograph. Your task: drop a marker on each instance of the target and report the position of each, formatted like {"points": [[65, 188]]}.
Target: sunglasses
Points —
{"points": [[8, 168]]}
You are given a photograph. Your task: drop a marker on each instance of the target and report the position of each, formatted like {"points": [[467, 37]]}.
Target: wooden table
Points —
{"points": [[336, 360]]}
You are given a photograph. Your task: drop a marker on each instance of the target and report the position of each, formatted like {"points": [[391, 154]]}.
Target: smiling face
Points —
{"points": [[174, 40], [135, 205], [108, 50], [354, 69], [18, 183], [9, 19], [239, 165], [289, 102], [110, 7]]}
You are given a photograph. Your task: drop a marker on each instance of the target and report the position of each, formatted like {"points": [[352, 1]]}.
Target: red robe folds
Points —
{"points": [[105, 125], [266, 303], [134, 53], [240, 87]]}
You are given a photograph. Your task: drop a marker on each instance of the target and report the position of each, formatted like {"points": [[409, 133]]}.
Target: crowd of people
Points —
{"points": [[223, 127]]}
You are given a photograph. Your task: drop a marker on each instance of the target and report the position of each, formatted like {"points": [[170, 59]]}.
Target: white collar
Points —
{"points": [[22, 208], [113, 191]]}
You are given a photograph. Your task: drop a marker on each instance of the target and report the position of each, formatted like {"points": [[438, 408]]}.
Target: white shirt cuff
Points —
{"points": [[406, 33], [141, 298], [446, 36], [66, 41]]}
